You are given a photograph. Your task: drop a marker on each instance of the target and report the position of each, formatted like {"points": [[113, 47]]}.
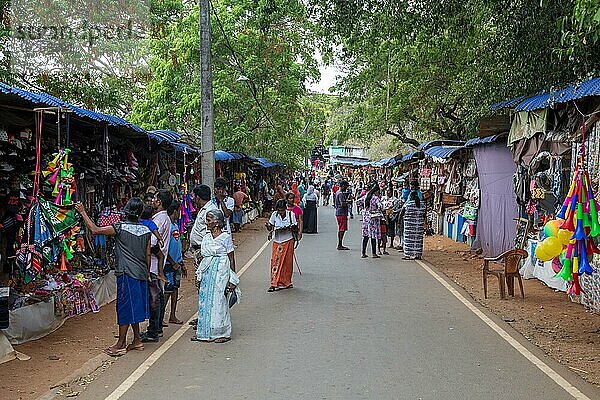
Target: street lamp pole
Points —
{"points": [[206, 100]]}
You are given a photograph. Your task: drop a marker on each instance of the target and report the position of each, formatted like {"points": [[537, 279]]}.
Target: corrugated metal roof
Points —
{"points": [[410, 156], [266, 163], [161, 135], [353, 161], [572, 92], [164, 135], [488, 139], [51, 101], [381, 163], [440, 142], [184, 147], [221, 155], [443, 152], [534, 102]]}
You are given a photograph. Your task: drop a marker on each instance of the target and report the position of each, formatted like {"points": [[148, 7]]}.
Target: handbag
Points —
{"points": [[232, 298]]}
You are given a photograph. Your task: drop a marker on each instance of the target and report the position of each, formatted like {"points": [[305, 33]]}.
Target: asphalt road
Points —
{"points": [[351, 329]]}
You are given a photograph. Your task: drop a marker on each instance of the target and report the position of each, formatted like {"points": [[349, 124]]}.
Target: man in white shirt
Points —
{"points": [[223, 202], [202, 201], [162, 201]]}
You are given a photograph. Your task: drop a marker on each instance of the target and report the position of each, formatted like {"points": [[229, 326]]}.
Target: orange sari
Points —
{"points": [[282, 263]]}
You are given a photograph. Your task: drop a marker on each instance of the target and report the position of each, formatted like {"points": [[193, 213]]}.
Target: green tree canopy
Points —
{"points": [[262, 54], [448, 60]]}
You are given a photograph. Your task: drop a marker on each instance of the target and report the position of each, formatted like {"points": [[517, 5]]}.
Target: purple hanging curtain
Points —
{"points": [[496, 219]]}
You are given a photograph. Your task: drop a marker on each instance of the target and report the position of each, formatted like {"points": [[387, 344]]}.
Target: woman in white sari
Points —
{"points": [[216, 279]]}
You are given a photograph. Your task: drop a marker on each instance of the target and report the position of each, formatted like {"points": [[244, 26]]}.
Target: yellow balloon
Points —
{"points": [[552, 246], [541, 254], [564, 236]]}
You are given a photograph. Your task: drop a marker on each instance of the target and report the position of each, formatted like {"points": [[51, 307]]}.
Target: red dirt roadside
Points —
{"points": [[564, 330]]}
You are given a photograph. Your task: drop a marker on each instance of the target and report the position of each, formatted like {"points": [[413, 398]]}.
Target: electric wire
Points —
{"points": [[250, 84]]}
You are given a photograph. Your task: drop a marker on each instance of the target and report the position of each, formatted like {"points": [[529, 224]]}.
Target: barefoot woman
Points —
{"points": [[132, 271]]}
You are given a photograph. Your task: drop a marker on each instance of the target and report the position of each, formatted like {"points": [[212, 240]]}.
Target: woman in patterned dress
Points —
{"points": [[371, 225], [414, 218]]}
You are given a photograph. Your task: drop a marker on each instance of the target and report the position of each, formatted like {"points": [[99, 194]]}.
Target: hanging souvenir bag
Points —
{"points": [[469, 212], [471, 169]]}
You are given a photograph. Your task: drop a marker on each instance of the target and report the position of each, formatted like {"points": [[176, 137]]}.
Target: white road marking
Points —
{"points": [[145, 366], [552, 374], [254, 257]]}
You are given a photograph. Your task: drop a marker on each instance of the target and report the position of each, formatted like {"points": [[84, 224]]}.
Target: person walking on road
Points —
{"points": [[284, 227], [414, 223], [216, 279], [311, 199], [325, 191], [341, 204], [371, 227], [132, 271]]}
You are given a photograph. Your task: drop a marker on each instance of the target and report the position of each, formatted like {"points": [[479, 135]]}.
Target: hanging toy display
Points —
{"points": [[570, 238], [59, 175], [187, 209]]}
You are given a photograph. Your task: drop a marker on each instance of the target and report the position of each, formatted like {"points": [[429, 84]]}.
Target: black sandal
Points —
{"points": [[271, 289]]}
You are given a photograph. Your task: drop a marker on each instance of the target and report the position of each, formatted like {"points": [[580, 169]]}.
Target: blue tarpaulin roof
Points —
{"points": [[221, 155], [226, 156]]}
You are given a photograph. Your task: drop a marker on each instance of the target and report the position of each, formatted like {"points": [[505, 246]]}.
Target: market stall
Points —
{"points": [[442, 177], [57, 154], [554, 140]]}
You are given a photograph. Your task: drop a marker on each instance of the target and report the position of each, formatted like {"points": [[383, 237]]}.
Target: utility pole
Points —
{"points": [[206, 88]]}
